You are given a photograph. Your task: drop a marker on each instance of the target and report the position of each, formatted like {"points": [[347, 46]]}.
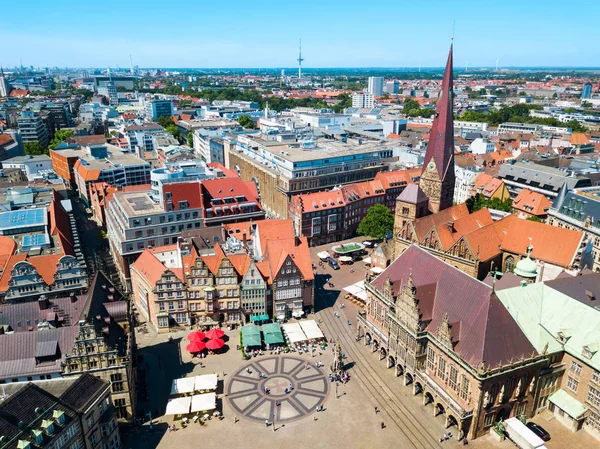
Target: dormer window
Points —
{"points": [[587, 353], [561, 337]]}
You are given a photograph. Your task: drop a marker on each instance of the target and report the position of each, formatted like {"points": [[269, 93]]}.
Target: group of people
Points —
{"points": [[341, 376]]}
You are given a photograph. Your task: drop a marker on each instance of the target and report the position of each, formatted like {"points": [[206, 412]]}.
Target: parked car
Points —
{"points": [[370, 243], [539, 431], [333, 263]]}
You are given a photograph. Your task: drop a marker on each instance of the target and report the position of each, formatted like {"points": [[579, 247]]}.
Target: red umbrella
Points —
{"points": [[196, 336], [215, 343], [215, 333], [195, 346]]}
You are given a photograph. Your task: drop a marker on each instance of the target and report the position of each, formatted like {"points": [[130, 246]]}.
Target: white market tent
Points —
{"points": [[367, 260], [294, 332], [204, 402], [357, 290], [183, 385], [205, 382], [323, 255], [377, 270], [311, 329], [179, 406]]}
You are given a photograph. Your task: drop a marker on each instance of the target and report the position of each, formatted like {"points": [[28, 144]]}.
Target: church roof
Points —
{"points": [[413, 194], [441, 141]]}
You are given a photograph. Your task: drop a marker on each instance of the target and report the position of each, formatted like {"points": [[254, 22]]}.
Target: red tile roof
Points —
{"points": [[184, 191], [149, 266], [533, 203]]}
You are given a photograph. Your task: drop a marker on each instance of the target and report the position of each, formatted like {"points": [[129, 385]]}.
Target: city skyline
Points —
{"points": [[334, 35]]}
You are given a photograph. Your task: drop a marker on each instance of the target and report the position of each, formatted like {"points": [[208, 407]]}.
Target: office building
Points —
{"points": [[31, 166], [126, 82], [251, 271], [282, 169], [105, 163], [159, 108], [363, 101], [140, 137], [76, 413], [375, 86], [392, 87], [33, 128], [156, 217], [586, 91], [109, 90]]}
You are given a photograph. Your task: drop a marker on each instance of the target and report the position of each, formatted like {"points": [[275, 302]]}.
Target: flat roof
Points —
{"points": [[23, 218], [138, 203], [324, 149], [125, 159]]}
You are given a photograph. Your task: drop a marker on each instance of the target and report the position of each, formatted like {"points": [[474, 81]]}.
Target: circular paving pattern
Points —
{"points": [[294, 391]]}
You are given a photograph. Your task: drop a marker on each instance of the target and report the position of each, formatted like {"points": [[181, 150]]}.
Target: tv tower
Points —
{"points": [[300, 60]]}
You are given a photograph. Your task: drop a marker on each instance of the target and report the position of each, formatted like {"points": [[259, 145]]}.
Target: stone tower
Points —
{"points": [[410, 205], [438, 178]]}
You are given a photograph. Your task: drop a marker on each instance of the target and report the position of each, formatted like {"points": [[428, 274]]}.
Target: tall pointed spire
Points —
{"points": [[438, 178]]}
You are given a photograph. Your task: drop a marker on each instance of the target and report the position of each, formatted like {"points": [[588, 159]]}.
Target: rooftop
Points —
{"points": [[138, 203]]}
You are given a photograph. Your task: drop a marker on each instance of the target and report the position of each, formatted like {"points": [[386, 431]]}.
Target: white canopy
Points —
{"points": [[179, 406], [182, 385], [377, 270], [311, 329], [323, 255], [367, 260], [204, 402], [294, 332], [357, 290], [206, 382]]}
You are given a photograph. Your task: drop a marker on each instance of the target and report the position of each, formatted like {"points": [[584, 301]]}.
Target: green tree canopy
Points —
{"points": [[34, 148], [479, 201], [410, 104], [164, 121], [246, 121], [534, 218], [377, 223], [190, 139], [59, 137], [344, 101]]}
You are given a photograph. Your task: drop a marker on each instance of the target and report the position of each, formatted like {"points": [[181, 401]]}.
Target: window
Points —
{"points": [[441, 372], [430, 358], [121, 407], [521, 408], [593, 396], [464, 387], [94, 439], [596, 377], [572, 384], [453, 378], [576, 367], [488, 420]]}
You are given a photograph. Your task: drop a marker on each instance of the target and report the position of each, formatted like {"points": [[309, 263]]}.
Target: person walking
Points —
{"points": [[376, 410], [382, 425], [266, 423]]}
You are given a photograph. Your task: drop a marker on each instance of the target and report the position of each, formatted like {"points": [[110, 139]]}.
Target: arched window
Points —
{"points": [[509, 264]]}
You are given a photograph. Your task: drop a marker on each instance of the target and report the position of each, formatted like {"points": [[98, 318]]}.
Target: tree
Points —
{"points": [[534, 218], [410, 104], [59, 137], [34, 148], [377, 223], [174, 130], [343, 101], [246, 121], [190, 139], [479, 201], [164, 121]]}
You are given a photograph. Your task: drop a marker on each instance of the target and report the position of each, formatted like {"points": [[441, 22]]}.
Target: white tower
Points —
{"points": [[300, 60]]}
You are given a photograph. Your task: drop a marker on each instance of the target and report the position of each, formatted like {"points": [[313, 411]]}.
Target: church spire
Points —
{"points": [[438, 166]]}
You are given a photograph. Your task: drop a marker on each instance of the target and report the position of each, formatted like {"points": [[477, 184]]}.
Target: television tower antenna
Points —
{"points": [[300, 59], [497, 60]]}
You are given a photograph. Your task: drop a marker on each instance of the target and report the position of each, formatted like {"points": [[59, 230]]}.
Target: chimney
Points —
{"points": [[43, 302], [590, 295], [244, 237], [450, 225]]}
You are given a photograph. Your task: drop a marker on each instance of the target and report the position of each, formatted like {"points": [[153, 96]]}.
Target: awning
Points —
{"points": [[357, 290], [274, 339], [298, 313], [179, 406], [311, 329], [345, 259], [204, 402], [205, 382], [263, 317], [367, 260], [251, 335], [377, 270], [323, 255], [294, 332], [182, 385], [568, 404]]}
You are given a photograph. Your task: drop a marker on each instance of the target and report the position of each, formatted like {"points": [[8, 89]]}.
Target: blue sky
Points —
{"points": [[349, 33]]}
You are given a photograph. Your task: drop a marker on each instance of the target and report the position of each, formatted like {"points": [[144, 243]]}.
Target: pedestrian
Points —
{"points": [[235, 420], [465, 442], [382, 425], [317, 409], [315, 418], [266, 423], [376, 410]]}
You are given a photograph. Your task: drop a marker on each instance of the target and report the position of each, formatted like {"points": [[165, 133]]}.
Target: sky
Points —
{"points": [[260, 33]]}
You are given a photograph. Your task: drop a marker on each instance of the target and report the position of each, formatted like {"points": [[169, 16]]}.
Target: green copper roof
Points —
{"points": [[553, 321], [526, 268], [568, 404]]}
